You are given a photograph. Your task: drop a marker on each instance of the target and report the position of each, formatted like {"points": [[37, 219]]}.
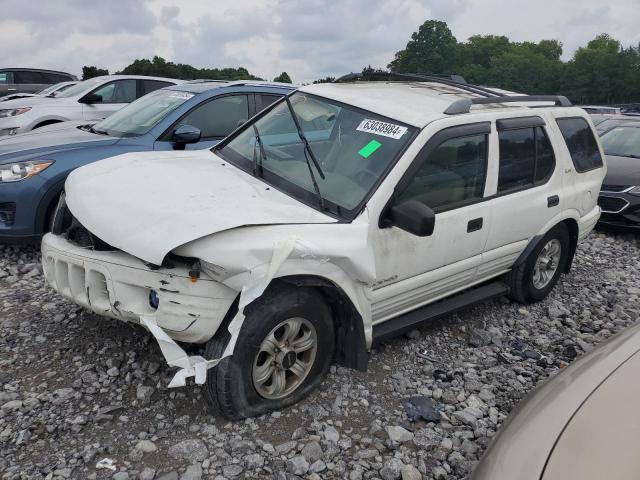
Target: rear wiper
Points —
{"points": [[258, 161], [307, 148]]}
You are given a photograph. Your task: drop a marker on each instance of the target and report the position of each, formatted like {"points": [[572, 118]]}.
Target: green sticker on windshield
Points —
{"points": [[369, 148]]}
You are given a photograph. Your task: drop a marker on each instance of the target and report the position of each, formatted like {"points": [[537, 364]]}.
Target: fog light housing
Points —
{"points": [[154, 300]]}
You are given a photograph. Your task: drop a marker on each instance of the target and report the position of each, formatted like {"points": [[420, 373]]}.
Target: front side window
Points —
{"points": [[452, 174], [81, 88], [526, 158], [622, 142], [219, 117], [120, 91], [581, 143], [142, 115], [354, 150]]}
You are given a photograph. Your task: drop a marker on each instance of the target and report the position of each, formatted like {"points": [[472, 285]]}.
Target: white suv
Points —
{"points": [[93, 99], [343, 214]]}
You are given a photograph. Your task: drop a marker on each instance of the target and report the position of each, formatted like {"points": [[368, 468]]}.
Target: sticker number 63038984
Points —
{"points": [[381, 128]]}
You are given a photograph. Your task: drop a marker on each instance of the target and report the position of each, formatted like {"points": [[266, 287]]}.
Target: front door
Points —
{"points": [[449, 175], [113, 96]]}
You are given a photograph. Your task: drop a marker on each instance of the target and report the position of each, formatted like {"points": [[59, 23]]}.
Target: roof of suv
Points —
{"points": [[415, 103], [22, 69]]}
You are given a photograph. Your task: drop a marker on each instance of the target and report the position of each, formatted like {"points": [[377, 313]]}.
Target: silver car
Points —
{"points": [[30, 80]]}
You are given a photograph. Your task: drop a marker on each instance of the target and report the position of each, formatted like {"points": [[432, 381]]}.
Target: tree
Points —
{"points": [[90, 72], [325, 80], [158, 66], [283, 77], [432, 49]]}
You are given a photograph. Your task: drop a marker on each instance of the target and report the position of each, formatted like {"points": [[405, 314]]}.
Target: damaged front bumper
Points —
{"points": [[118, 285]]}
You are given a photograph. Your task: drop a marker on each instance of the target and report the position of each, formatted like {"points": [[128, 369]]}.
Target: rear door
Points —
{"points": [[216, 118], [114, 95], [450, 176], [529, 190]]}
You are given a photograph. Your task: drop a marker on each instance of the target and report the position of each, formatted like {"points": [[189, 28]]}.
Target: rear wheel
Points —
{"points": [[532, 280], [284, 349]]}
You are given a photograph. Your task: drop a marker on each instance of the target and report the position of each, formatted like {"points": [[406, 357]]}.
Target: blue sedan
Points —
{"points": [[197, 115]]}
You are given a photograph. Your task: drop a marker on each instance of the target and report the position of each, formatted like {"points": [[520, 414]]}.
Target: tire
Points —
{"points": [[528, 287], [230, 387]]}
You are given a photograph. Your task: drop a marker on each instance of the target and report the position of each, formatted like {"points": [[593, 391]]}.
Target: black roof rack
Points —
{"points": [[464, 105], [451, 80]]}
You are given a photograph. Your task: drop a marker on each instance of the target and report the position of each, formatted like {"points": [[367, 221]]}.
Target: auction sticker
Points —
{"points": [[381, 128]]}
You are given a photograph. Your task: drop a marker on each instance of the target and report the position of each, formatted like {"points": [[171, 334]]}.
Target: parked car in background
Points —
{"points": [[620, 195], [93, 99], [604, 123], [343, 213], [34, 166], [581, 424], [51, 90], [601, 110], [30, 80]]}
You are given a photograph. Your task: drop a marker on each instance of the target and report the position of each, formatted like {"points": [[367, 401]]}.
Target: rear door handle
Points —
{"points": [[553, 201], [474, 225]]}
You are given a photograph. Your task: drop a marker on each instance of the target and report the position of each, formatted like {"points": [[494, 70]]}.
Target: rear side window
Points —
{"points": [[27, 77], [453, 174], [149, 86], [219, 117], [263, 100], [581, 143], [526, 158], [4, 78], [57, 77]]}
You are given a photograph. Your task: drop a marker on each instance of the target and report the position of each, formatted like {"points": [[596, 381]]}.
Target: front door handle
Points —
{"points": [[553, 201], [474, 225]]}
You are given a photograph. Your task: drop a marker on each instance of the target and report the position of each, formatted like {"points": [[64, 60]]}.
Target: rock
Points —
{"points": [[312, 451], [172, 475], [479, 338], [298, 465], [191, 450], [11, 405], [318, 466], [120, 476], [331, 434], [113, 372], [392, 469], [409, 472], [465, 417], [418, 407], [399, 434], [232, 471], [193, 472], [147, 474], [144, 393], [253, 461], [146, 446]]}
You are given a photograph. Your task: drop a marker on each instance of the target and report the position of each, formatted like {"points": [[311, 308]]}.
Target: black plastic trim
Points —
{"points": [[519, 122], [434, 311]]}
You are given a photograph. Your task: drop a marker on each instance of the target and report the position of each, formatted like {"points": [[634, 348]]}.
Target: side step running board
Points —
{"points": [[434, 311]]}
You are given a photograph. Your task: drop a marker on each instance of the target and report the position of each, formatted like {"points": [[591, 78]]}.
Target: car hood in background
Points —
{"points": [[150, 203], [622, 171], [49, 140], [35, 101]]}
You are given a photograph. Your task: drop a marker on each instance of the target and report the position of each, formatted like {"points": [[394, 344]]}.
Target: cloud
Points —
{"points": [[309, 40]]}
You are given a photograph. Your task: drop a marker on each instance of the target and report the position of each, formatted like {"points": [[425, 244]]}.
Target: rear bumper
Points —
{"points": [[588, 222], [117, 285]]}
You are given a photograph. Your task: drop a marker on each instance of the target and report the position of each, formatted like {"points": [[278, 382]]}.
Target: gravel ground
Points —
{"points": [[76, 389]]}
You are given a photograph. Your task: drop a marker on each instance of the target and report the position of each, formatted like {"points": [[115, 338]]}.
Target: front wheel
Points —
{"points": [[532, 280], [284, 350]]}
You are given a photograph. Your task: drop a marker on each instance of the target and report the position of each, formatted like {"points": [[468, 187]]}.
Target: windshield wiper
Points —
{"points": [[307, 148], [97, 132], [258, 161]]}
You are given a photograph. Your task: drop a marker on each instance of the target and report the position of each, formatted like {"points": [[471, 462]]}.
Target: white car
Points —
{"points": [[93, 99], [52, 91], [343, 214]]}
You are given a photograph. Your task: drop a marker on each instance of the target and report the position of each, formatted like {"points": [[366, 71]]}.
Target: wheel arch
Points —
{"points": [[571, 225]]}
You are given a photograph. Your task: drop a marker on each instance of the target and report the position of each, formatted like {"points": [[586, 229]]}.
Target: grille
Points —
{"points": [[612, 204], [86, 287], [8, 213], [614, 188]]}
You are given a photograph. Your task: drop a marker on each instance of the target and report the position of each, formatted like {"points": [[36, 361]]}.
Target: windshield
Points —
{"points": [[354, 150], [81, 87], [622, 142], [140, 116], [55, 88]]}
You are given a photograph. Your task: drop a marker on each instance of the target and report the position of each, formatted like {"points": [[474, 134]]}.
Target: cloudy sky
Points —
{"points": [[308, 39]]}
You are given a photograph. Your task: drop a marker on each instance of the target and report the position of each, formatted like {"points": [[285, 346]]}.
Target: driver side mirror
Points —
{"points": [[91, 98], [186, 134], [414, 217]]}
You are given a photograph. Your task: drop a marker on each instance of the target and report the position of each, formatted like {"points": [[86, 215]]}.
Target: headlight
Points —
{"points": [[12, 112], [14, 172], [634, 191]]}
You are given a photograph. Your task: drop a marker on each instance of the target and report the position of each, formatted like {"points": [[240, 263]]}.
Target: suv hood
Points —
{"points": [[49, 140], [149, 203]]}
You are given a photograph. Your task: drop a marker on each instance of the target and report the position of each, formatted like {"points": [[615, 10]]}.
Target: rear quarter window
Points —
{"points": [[582, 145]]}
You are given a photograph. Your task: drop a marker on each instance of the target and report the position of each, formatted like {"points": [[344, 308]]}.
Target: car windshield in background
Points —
{"points": [[353, 148], [622, 142], [81, 87], [142, 115]]}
